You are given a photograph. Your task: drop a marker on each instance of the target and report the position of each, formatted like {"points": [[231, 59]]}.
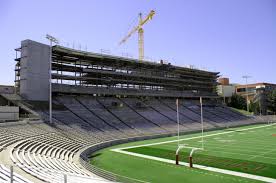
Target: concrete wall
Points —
{"points": [[7, 89], [34, 73], [226, 90], [9, 113]]}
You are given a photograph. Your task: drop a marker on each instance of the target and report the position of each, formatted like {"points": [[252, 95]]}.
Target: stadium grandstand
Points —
{"points": [[98, 101]]}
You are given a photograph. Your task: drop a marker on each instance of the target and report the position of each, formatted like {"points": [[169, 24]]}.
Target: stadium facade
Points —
{"points": [[79, 72]]}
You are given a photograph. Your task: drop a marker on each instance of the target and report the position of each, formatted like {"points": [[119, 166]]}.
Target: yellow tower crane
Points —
{"points": [[140, 30]]}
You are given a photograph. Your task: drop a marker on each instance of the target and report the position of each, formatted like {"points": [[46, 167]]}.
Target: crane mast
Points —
{"points": [[140, 30], [141, 39]]}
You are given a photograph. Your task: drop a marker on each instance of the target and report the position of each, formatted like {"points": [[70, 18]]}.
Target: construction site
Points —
{"points": [[78, 116], [79, 72]]}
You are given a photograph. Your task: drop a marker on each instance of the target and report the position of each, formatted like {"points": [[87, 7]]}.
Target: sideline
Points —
{"points": [[218, 170]]}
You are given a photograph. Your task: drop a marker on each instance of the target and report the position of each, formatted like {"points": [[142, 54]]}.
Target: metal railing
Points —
{"points": [[10, 173]]}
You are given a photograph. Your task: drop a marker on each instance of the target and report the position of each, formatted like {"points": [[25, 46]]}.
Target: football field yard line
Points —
{"points": [[222, 150], [232, 145], [262, 154], [244, 149]]}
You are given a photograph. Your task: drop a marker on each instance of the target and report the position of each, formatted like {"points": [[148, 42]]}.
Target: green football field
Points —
{"points": [[248, 149]]}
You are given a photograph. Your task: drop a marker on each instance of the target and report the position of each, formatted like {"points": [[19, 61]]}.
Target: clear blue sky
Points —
{"points": [[234, 37]]}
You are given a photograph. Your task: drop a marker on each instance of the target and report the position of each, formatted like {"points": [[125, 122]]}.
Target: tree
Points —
{"points": [[271, 99], [238, 102], [254, 107]]}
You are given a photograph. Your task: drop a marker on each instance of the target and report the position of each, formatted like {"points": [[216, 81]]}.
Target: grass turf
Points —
{"points": [[250, 151]]}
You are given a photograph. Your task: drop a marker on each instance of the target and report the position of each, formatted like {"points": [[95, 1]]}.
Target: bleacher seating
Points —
{"points": [[107, 116], [47, 156], [150, 114], [49, 151], [129, 116]]}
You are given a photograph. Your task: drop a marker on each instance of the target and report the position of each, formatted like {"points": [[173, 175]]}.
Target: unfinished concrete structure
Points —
{"points": [[98, 101], [80, 72], [32, 70]]}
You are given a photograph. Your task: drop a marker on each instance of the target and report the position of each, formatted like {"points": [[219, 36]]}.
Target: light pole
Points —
{"points": [[246, 78], [201, 118], [223, 94], [52, 40], [177, 117]]}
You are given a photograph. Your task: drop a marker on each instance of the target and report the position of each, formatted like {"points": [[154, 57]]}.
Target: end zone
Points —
{"points": [[213, 169]]}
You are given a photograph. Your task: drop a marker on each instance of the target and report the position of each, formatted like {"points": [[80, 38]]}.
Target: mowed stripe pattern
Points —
{"points": [[250, 151]]}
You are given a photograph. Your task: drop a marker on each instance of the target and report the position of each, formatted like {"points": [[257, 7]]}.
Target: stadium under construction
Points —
{"points": [[99, 100], [79, 72]]}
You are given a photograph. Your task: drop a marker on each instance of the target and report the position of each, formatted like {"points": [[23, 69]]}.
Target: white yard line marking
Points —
{"points": [[211, 148], [218, 170], [262, 155]]}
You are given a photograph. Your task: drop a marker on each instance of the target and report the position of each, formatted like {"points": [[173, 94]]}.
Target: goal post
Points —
{"points": [[191, 156], [202, 125], [182, 146], [190, 160], [177, 154]]}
